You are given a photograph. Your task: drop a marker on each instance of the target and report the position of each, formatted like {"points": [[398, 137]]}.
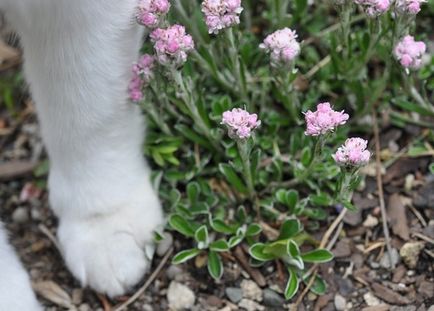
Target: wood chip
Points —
{"points": [[381, 307], [398, 218], [255, 274], [53, 293], [389, 295], [14, 169]]}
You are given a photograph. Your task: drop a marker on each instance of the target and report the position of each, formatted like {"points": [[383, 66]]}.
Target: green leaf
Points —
{"points": [[292, 285], [235, 240], [431, 168], [317, 256], [318, 287], [281, 196], [292, 249], [348, 205], [306, 156], [296, 262], [180, 224], [291, 199], [277, 248], [289, 229], [255, 160], [321, 199], [193, 191], [253, 229], [201, 237], [257, 252], [215, 265], [232, 177], [219, 246], [185, 255], [200, 208], [220, 226]]}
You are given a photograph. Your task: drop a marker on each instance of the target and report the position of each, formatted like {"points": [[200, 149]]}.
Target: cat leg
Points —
{"points": [[16, 294], [78, 57]]}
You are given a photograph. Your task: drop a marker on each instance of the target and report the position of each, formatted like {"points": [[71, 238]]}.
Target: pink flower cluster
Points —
{"points": [[324, 119], [353, 152], [374, 7], [142, 75], [172, 45], [409, 52], [282, 45], [411, 7], [240, 123], [150, 12], [220, 14]]}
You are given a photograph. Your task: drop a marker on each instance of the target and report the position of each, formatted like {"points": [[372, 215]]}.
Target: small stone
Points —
{"points": [[77, 296], [180, 297], [371, 300], [173, 271], [370, 221], [214, 301], [147, 307], [382, 307], [340, 303], [431, 308], [251, 290], [406, 308], [84, 307], [311, 296], [20, 215], [385, 260], [410, 253], [426, 289], [250, 305], [164, 245], [234, 294], [272, 299]]}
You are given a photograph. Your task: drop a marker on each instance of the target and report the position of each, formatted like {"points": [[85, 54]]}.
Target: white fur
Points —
{"points": [[15, 290], [78, 55]]}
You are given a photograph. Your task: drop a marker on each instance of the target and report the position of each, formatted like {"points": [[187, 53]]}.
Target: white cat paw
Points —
{"points": [[108, 252]]}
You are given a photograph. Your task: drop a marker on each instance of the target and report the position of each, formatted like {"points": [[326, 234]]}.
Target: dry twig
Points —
{"points": [[380, 189], [148, 282]]}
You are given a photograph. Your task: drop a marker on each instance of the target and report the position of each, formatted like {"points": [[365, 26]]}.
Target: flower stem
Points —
{"points": [[239, 72], [185, 94], [244, 151]]}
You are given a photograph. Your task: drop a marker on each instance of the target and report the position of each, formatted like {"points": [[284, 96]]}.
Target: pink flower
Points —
{"points": [[411, 7], [151, 12], [220, 14], [323, 120], [374, 7], [142, 75], [240, 123], [172, 45], [282, 45], [353, 152], [409, 52]]}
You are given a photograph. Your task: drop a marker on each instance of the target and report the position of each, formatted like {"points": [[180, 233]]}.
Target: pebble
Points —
{"points": [[406, 308], [410, 253], [164, 245], [147, 307], [272, 299], [180, 296], [173, 271], [250, 305], [431, 308], [370, 221], [371, 300], [84, 307], [20, 215], [385, 261], [77, 296], [234, 294], [251, 290], [340, 303]]}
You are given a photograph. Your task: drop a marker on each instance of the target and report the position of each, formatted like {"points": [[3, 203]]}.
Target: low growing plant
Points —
{"points": [[241, 160]]}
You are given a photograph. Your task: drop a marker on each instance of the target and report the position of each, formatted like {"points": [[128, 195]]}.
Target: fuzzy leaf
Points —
{"points": [[215, 265], [292, 285], [181, 225], [185, 255], [317, 256]]}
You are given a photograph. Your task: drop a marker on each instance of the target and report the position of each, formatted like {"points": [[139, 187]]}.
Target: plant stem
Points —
{"points": [[244, 151], [236, 67], [185, 94]]}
